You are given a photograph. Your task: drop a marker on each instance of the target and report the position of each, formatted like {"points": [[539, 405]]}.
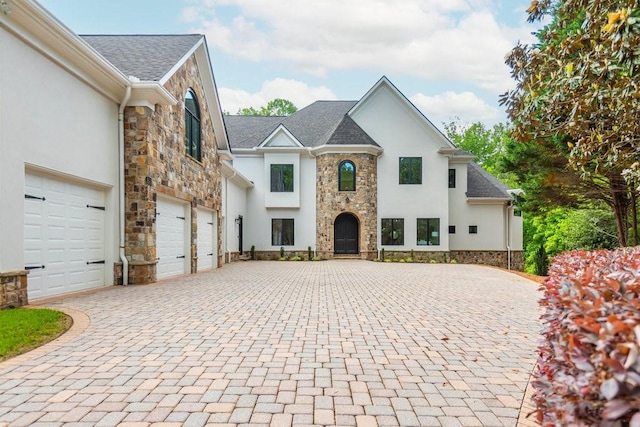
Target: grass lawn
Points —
{"points": [[23, 329]]}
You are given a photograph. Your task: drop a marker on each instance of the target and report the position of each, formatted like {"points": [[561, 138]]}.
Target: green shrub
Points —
{"points": [[382, 254], [316, 258], [309, 253], [253, 252], [296, 258], [281, 252]]}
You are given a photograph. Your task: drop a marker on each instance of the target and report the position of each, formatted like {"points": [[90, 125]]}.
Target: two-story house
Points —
{"points": [[350, 178], [116, 167]]}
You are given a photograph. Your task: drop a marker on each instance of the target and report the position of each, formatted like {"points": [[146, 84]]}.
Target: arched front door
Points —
{"points": [[345, 234]]}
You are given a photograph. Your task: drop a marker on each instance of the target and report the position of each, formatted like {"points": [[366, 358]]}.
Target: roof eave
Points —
{"points": [[234, 176], [211, 92], [38, 28], [148, 94], [347, 148], [488, 200]]}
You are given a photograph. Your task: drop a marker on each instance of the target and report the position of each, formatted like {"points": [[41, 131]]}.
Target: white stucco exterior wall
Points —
{"points": [[235, 198], [515, 232], [53, 122], [258, 224], [282, 199], [402, 132], [458, 209]]}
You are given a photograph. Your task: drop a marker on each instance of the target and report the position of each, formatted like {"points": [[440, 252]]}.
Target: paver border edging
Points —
{"points": [[80, 322]]}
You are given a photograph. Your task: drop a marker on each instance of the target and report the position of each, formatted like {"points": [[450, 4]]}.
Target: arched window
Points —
{"points": [[192, 125], [347, 176]]}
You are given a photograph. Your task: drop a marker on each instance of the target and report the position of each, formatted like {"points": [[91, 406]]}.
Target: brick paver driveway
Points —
{"points": [[257, 343]]}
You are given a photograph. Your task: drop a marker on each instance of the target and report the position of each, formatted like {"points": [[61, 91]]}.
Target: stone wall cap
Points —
{"points": [[137, 263], [14, 273]]}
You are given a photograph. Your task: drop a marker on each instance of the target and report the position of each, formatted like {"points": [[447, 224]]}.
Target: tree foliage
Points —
{"points": [[486, 144], [577, 94], [563, 229], [562, 211], [275, 107]]}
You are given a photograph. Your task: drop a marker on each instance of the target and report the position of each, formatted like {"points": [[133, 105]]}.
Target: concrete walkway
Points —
{"points": [[348, 343]]}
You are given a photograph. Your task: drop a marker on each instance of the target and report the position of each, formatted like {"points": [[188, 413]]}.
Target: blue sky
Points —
{"points": [[446, 56]]}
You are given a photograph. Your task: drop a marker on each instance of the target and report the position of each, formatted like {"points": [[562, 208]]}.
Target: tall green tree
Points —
{"points": [[486, 144], [275, 107], [578, 90]]}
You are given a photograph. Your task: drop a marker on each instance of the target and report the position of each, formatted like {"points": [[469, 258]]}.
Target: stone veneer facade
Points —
{"points": [[362, 203], [13, 289], [156, 163], [494, 258]]}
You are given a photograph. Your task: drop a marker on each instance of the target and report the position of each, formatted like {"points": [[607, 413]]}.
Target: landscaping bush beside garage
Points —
{"points": [[588, 369]]}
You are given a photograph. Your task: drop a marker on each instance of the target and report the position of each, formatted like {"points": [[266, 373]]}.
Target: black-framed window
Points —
{"points": [[392, 231], [192, 125], [452, 178], [410, 170], [428, 231], [282, 232], [347, 176], [473, 229], [452, 229], [281, 178]]}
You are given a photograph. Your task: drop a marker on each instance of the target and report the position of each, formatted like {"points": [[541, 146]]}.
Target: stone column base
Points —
{"points": [[142, 272], [13, 289]]}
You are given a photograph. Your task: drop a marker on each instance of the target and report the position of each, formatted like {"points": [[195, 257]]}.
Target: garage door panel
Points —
{"points": [[207, 240], [62, 234], [171, 235]]}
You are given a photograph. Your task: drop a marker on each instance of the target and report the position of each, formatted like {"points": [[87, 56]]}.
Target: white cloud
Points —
{"points": [[465, 106], [441, 40], [295, 91]]}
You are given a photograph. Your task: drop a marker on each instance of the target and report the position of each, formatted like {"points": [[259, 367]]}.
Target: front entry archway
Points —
{"points": [[346, 230]]}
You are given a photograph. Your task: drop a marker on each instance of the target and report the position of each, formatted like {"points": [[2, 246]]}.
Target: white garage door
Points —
{"points": [[207, 239], [63, 236], [172, 227]]}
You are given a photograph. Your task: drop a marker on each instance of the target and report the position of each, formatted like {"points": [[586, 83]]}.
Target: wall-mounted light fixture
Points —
{"points": [[239, 219]]}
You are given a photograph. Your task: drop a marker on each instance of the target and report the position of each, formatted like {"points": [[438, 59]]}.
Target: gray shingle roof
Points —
{"points": [[348, 132], [249, 131], [481, 183], [327, 122], [323, 122], [147, 57]]}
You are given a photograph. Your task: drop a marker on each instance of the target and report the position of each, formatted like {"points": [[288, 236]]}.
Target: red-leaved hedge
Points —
{"points": [[588, 367]]}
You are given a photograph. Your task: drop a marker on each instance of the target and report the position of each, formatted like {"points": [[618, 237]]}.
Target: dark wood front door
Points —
{"points": [[345, 238]]}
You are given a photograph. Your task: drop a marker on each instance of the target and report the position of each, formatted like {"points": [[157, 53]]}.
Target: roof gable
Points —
{"points": [[155, 58], [384, 82], [281, 138]]}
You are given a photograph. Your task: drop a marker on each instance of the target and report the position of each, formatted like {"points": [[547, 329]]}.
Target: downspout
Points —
{"points": [[123, 258], [508, 222]]}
